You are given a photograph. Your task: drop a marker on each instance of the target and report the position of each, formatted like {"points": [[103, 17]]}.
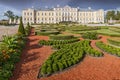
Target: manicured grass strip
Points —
{"points": [[109, 49], [113, 42]]}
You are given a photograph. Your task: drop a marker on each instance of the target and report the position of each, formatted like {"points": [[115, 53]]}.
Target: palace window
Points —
{"points": [[24, 18], [24, 13]]}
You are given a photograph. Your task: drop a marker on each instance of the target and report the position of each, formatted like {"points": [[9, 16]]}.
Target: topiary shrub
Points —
{"points": [[55, 67], [49, 70], [43, 70], [65, 64], [69, 63], [27, 29], [61, 66], [21, 29]]}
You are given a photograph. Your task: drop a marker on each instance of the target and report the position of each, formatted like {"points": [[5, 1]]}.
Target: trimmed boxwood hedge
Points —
{"points": [[57, 42], [109, 49], [113, 42], [62, 37], [90, 35], [66, 56], [47, 33]]}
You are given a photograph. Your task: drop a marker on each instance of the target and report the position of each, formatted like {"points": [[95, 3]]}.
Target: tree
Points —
{"points": [[28, 28], [110, 14], [21, 27], [117, 17], [16, 18], [9, 14]]}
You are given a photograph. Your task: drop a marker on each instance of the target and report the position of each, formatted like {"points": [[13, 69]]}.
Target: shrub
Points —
{"points": [[49, 70], [62, 37], [21, 27], [65, 64], [117, 43], [68, 54], [107, 48], [55, 67], [69, 63], [47, 33], [43, 70], [28, 28], [90, 35], [61, 66]]}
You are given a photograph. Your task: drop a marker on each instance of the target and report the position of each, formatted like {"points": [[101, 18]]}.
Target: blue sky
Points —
{"points": [[17, 5]]}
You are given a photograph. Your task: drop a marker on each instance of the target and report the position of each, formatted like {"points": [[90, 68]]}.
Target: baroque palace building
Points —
{"points": [[60, 14]]}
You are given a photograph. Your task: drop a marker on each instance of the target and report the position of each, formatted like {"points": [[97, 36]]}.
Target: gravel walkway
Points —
{"points": [[5, 30], [31, 59]]}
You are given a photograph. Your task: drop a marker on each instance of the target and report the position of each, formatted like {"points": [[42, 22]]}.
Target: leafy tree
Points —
{"points": [[110, 14], [21, 27], [16, 18], [9, 14], [117, 16]]}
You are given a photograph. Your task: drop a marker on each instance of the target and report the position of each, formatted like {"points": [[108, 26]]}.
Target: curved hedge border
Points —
{"points": [[62, 37], [112, 35], [57, 42], [86, 47], [90, 35], [47, 33], [116, 43], [65, 57], [108, 48]]}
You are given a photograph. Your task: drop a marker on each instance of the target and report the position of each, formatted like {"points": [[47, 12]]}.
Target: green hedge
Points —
{"points": [[112, 35], [62, 37], [57, 42], [47, 33], [90, 35], [117, 43], [68, 55], [109, 49]]}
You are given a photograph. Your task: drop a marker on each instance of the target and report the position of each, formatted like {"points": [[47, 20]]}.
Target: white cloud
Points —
{"points": [[4, 8]]}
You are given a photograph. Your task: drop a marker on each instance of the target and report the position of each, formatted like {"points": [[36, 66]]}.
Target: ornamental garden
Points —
{"points": [[70, 43]]}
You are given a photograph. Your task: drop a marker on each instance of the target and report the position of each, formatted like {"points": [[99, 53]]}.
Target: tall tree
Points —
{"points": [[21, 27], [117, 15], [9, 14], [16, 18], [110, 14]]}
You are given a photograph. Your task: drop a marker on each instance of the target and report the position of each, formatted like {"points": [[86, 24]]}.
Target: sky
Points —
{"points": [[17, 5]]}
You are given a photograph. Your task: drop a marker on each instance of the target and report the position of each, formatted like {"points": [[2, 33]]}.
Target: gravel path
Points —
{"points": [[31, 59], [5, 30]]}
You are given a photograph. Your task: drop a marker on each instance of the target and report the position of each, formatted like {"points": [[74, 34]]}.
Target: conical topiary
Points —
{"points": [[21, 29]]}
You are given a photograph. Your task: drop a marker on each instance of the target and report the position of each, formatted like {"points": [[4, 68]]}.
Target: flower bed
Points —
{"points": [[108, 48], [10, 50]]}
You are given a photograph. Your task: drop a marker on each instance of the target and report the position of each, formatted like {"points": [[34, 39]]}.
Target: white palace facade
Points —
{"points": [[60, 14]]}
